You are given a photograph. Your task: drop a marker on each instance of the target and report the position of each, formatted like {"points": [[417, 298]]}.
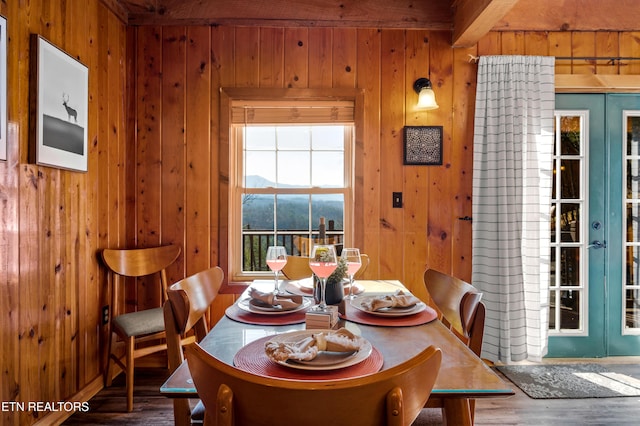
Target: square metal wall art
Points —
{"points": [[423, 145]]}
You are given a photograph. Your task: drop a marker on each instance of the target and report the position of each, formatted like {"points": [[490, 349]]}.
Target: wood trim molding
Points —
{"points": [[597, 83], [85, 394]]}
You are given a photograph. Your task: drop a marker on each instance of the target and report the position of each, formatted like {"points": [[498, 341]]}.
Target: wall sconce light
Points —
{"points": [[426, 97]]}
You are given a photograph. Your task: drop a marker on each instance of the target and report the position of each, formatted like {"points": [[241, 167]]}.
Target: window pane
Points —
{"points": [[553, 182], [328, 138], [633, 228], [570, 222], [570, 266], [294, 137], [570, 309], [570, 179], [260, 169], [293, 213], [329, 206], [633, 178], [633, 253], [632, 308], [570, 135], [260, 138], [257, 212], [327, 169], [552, 276], [294, 169], [633, 135], [552, 310], [554, 208]]}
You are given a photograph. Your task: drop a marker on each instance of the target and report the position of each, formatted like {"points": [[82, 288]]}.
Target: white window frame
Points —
{"points": [[237, 190], [583, 288]]}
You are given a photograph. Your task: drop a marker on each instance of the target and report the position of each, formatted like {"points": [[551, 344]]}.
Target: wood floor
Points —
{"points": [[150, 408]]}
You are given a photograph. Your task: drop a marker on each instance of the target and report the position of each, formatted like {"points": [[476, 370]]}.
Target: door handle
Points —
{"points": [[597, 244]]}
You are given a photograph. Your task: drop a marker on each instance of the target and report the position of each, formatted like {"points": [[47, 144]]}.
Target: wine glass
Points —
{"points": [[276, 259], [323, 261], [351, 256]]}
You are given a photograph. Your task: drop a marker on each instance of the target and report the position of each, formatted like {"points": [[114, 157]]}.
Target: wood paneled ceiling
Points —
{"points": [[468, 20]]}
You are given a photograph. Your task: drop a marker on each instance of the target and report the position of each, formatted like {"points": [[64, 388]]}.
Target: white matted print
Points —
{"points": [[61, 99], [3, 88]]}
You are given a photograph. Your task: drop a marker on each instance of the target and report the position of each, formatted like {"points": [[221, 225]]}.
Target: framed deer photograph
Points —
{"points": [[59, 107]]}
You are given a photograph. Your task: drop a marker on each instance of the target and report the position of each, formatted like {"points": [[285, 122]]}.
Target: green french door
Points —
{"points": [[595, 227]]}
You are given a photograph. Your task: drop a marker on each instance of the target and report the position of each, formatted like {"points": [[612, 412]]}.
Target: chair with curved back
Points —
{"points": [[459, 305], [459, 308], [185, 317], [136, 327], [297, 267], [364, 258], [390, 397]]}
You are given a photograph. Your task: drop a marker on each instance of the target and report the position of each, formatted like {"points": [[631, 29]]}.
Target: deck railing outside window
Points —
{"points": [[297, 243]]}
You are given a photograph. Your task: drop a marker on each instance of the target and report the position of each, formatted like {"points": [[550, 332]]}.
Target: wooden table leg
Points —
{"points": [[456, 412], [181, 412]]}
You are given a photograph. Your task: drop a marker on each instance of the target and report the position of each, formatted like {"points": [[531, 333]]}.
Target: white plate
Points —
{"points": [[246, 305], [388, 312], [324, 360]]}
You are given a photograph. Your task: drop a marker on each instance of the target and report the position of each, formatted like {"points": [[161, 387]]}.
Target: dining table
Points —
{"points": [[238, 339]]}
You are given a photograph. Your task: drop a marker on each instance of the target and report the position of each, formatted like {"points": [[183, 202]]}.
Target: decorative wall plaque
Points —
{"points": [[423, 145]]}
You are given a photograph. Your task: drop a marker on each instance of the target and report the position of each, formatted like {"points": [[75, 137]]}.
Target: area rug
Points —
{"points": [[551, 381]]}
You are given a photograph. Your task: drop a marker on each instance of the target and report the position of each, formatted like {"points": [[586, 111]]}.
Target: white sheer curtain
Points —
{"points": [[512, 177]]}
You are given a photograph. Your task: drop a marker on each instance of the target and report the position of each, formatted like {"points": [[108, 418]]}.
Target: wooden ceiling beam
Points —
{"points": [[472, 19], [431, 15], [571, 15]]}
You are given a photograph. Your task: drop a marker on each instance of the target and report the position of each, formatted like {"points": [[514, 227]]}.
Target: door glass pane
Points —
{"points": [[570, 222], [570, 266], [570, 178], [570, 310], [633, 178], [632, 265], [571, 135], [554, 232], [632, 305]]}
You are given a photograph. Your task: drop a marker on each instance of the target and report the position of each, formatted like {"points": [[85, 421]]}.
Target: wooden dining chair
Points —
{"points": [[136, 327], [459, 308], [297, 268], [364, 258], [236, 397], [185, 317]]}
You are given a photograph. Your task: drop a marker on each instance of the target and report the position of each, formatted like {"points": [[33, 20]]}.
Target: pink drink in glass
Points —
{"points": [[323, 269], [276, 264], [352, 268]]}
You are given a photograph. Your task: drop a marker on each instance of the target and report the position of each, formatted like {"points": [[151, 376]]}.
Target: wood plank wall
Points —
{"points": [[402, 243], [154, 166], [54, 221], [178, 114]]}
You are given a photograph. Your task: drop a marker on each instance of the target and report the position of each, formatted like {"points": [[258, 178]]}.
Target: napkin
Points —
{"points": [[341, 340], [399, 299], [283, 300]]}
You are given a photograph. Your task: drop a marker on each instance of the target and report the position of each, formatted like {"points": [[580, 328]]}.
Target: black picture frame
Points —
{"points": [[423, 145], [59, 107]]}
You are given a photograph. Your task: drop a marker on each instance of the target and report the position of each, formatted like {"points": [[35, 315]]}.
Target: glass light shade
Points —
{"points": [[427, 99]]}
